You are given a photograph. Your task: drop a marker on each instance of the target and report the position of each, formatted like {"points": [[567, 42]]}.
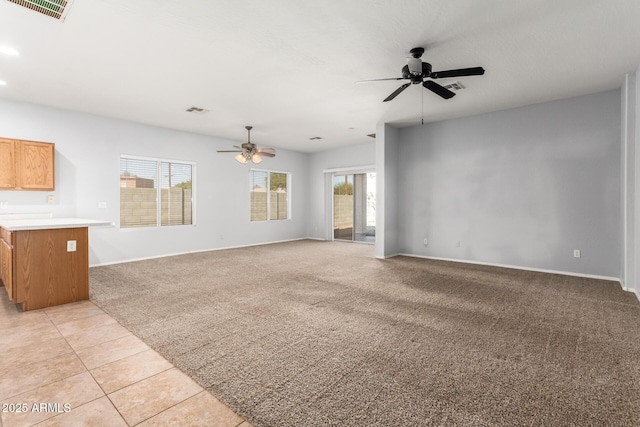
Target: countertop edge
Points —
{"points": [[44, 224]]}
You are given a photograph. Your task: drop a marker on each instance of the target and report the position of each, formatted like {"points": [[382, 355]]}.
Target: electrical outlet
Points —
{"points": [[71, 245], [426, 242], [102, 205], [4, 205], [458, 244], [51, 199], [576, 253]]}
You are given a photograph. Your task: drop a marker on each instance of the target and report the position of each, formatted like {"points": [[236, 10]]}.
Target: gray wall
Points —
{"points": [[88, 149], [521, 187], [630, 160], [628, 268], [635, 262], [387, 197]]}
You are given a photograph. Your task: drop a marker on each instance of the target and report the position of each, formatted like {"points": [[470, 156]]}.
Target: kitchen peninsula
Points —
{"points": [[45, 261]]}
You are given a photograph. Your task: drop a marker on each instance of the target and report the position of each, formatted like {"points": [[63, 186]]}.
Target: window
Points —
{"points": [[269, 195], [155, 192]]}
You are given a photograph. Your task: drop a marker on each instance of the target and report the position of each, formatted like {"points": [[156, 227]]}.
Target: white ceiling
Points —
{"points": [[289, 67]]}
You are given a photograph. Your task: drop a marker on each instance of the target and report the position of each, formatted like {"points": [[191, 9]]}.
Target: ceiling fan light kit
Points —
{"points": [[240, 158], [249, 152], [417, 71]]}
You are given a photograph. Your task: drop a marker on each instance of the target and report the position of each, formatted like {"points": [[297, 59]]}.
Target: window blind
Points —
{"points": [[258, 185], [155, 192], [269, 195], [138, 193], [175, 193]]}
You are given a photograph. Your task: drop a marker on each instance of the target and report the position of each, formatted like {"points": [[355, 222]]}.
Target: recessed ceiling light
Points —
{"points": [[8, 50], [3, 83]]}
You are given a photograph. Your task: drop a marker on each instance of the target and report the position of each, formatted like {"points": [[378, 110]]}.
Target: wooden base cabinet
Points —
{"points": [[6, 263], [44, 271]]}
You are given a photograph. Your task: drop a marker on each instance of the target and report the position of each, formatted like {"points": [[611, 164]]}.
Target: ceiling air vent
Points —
{"points": [[372, 135], [313, 138], [57, 9], [454, 86], [196, 110]]}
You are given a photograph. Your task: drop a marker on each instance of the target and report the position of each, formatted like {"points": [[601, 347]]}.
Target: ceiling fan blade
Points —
{"points": [[397, 92], [267, 154], [475, 71], [380, 80], [239, 148], [438, 90], [230, 151], [266, 150]]}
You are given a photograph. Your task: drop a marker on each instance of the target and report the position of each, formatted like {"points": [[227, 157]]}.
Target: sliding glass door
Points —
{"points": [[354, 212], [343, 207]]}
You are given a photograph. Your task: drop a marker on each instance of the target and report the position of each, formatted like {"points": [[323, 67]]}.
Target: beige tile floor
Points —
{"points": [[74, 365]]}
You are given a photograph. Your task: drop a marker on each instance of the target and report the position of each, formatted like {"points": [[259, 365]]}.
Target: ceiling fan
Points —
{"points": [[249, 151], [416, 71]]}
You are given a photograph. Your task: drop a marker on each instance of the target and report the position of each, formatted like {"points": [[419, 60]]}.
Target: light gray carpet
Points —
{"points": [[318, 333]]}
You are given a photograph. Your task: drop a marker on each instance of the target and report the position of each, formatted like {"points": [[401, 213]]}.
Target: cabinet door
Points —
{"points": [[6, 259], [34, 165], [7, 165]]}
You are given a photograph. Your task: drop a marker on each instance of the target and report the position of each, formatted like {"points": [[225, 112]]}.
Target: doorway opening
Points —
{"points": [[354, 207]]}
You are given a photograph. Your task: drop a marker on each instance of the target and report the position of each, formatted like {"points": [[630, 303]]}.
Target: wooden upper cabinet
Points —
{"points": [[34, 165], [30, 165], [7, 164]]}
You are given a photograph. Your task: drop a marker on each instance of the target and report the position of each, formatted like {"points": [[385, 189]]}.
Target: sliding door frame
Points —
{"points": [[329, 174]]}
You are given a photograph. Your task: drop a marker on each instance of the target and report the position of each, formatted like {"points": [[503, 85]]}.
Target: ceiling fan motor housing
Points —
{"points": [[417, 52], [417, 78], [414, 63], [415, 66]]}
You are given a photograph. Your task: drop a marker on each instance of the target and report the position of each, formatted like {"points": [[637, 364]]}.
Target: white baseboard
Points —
{"points": [[194, 252], [389, 256], [517, 267]]}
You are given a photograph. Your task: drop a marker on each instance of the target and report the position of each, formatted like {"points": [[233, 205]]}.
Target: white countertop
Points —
{"points": [[48, 223]]}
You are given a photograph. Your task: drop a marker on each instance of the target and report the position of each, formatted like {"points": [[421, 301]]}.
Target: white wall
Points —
{"points": [[635, 262], [631, 181], [522, 187], [387, 202], [352, 157], [628, 95], [88, 149]]}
